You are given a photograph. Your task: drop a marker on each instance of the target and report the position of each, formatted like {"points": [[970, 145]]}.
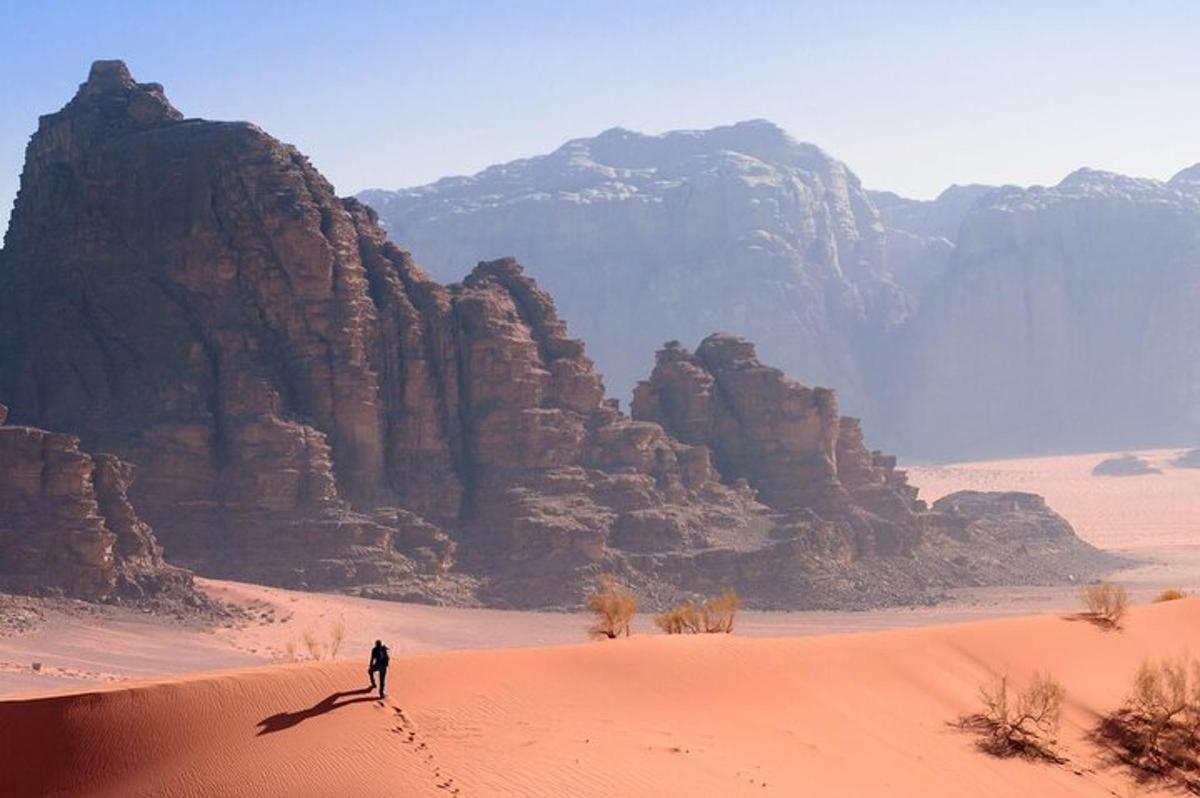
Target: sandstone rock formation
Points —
{"points": [[307, 407], [785, 439], [646, 238], [1189, 459], [1127, 465], [192, 296], [845, 518], [66, 524]]}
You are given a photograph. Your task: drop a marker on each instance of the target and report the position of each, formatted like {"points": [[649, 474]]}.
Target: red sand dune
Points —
{"points": [[841, 715]]}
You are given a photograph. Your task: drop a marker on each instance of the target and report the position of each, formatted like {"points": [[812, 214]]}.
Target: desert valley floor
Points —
{"points": [[489, 702]]}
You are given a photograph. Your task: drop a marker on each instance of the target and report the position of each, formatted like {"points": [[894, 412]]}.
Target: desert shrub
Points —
{"points": [[680, 619], [312, 645], [1171, 594], [614, 608], [1157, 732], [316, 650], [719, 612], [1162, 698], [337, 635], [1021, 722], [1106, 603]]}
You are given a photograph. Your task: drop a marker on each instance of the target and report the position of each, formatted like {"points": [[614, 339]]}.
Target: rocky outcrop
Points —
{"points": [[844, 517], [1127, 465], [1189, 459], [307, 407], [786, 440], [646, 238], [66, 524]]}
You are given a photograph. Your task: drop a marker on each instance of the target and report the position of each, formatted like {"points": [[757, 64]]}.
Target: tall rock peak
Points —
{"points": [[108, 77], [110, 94]]}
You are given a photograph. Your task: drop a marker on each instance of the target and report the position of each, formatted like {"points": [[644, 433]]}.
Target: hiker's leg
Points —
{"points": [[371, 675], [382, 682]]}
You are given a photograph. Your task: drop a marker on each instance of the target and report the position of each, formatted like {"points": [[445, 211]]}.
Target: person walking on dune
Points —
{"points": [[379, 664]]}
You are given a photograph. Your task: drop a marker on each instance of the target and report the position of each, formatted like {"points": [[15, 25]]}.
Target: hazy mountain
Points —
{"points": [[1066, 319], [642, 239], [986, 321]]}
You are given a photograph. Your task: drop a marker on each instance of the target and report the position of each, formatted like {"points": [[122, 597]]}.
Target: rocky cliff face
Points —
{"points": [[843, 516], [785, 439], [1065, 321], [66, 524], [921, 235], [192, 296], [307, 407], [646, 238]]}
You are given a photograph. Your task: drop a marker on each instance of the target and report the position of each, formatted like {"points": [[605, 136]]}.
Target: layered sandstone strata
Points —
{"points": [[66, 524], [785, 439]]}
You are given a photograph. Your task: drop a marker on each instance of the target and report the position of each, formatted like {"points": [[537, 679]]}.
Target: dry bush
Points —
{"points": [[1162, 697], [1106, 603], [719, 612], [614, 608], [337, 635], [1023, 723], [313, 645], [1157, 732], [1171, 594], [290, 647], [682, 618]]}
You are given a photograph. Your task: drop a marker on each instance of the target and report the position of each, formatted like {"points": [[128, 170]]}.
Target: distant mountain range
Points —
{"points": [[989, 321]]}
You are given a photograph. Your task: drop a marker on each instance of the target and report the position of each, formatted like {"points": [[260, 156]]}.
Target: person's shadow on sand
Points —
{"points": [[286, 720]]}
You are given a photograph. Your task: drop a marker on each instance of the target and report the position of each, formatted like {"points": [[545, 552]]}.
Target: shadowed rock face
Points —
{"points": [[785, 439], [66, 523], [192, 296], [307, 407]]}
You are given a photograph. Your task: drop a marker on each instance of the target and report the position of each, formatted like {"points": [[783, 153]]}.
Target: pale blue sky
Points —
{"points": [[913, 96]]}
